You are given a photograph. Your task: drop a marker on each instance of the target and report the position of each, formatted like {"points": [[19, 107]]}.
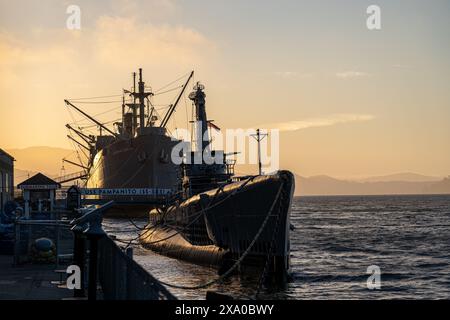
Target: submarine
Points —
{"points": [[235, 224]]}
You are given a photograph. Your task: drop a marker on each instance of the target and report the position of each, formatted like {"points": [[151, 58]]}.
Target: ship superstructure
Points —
{"points": [[136, 153]]}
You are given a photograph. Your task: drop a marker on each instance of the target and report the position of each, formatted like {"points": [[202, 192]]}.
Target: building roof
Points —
{"points": [[4, 153], [37, 181]]}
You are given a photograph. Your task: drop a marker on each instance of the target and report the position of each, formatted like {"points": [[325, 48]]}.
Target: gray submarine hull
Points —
{"points": [[219, 226]]}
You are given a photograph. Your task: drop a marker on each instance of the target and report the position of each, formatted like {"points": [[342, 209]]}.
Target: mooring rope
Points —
{"points": [[236, 264], [199, 214], [269, 253]]}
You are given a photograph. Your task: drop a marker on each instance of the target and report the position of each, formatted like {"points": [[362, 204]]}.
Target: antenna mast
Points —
{"points": [[259, 137]]}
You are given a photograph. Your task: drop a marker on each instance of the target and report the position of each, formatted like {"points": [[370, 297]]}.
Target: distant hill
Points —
{"points": [[442, 186], [47, 160], [324, 185], [404, 176], [21, 175]]}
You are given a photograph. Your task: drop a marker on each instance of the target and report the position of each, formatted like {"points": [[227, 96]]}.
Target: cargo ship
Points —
{"points": [[134, 155]]}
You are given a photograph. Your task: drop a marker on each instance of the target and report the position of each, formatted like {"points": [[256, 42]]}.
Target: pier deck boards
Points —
{"points": [[29, 282]]}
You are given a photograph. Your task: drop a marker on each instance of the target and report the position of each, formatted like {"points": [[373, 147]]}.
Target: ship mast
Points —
{"points": [[141, 95], [133, 106], [141, 102], [123, 110]]}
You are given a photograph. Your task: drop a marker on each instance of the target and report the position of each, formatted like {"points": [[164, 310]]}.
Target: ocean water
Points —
{"points": [[334, 242]]}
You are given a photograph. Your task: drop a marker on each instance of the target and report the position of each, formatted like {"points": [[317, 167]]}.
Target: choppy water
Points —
{"points": [[334, 241]]}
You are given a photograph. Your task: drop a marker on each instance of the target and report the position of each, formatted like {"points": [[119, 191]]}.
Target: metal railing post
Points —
{"points": [[16, 243], [57, 244], [93, 260], [79, 257], [94, 233]]}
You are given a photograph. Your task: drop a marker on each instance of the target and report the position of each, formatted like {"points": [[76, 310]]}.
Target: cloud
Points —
{"points": [[292, 74], [351, 74], [51, 64], [120, 39], [148, 9], [318, 122], [286, 74], [401, 66], [111, 46], [113, 40]]}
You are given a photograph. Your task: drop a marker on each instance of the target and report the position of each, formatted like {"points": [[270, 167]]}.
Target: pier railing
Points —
{"points": [[122, 278], [82, 242]]}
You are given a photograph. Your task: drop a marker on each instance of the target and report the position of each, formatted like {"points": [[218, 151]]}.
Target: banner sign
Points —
{"points": [[125, 192]]}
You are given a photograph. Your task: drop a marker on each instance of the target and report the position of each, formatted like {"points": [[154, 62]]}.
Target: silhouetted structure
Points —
{"points": [[38, 193], [133, 155], [6, 178]]}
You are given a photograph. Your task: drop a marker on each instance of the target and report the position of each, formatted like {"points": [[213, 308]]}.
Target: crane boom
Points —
{"points": [[172, 107], [90, 118], [78, 143], [75, 164], [86, 138]]}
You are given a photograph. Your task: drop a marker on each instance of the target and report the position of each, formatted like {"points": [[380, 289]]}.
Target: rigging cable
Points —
{"points": [[101, 97], [174, 81], [169, 90], [95, 102]]}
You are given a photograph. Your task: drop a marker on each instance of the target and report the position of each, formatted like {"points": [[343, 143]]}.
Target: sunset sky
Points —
{"points": [[349, 101]]}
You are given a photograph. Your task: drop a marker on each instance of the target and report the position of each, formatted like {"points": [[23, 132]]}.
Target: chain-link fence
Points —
{"points": [[43, 242], [122, 278]]}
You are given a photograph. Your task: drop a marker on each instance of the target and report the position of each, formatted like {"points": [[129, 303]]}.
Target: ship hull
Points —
{"points": [[140, 162], [247, 221]]}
